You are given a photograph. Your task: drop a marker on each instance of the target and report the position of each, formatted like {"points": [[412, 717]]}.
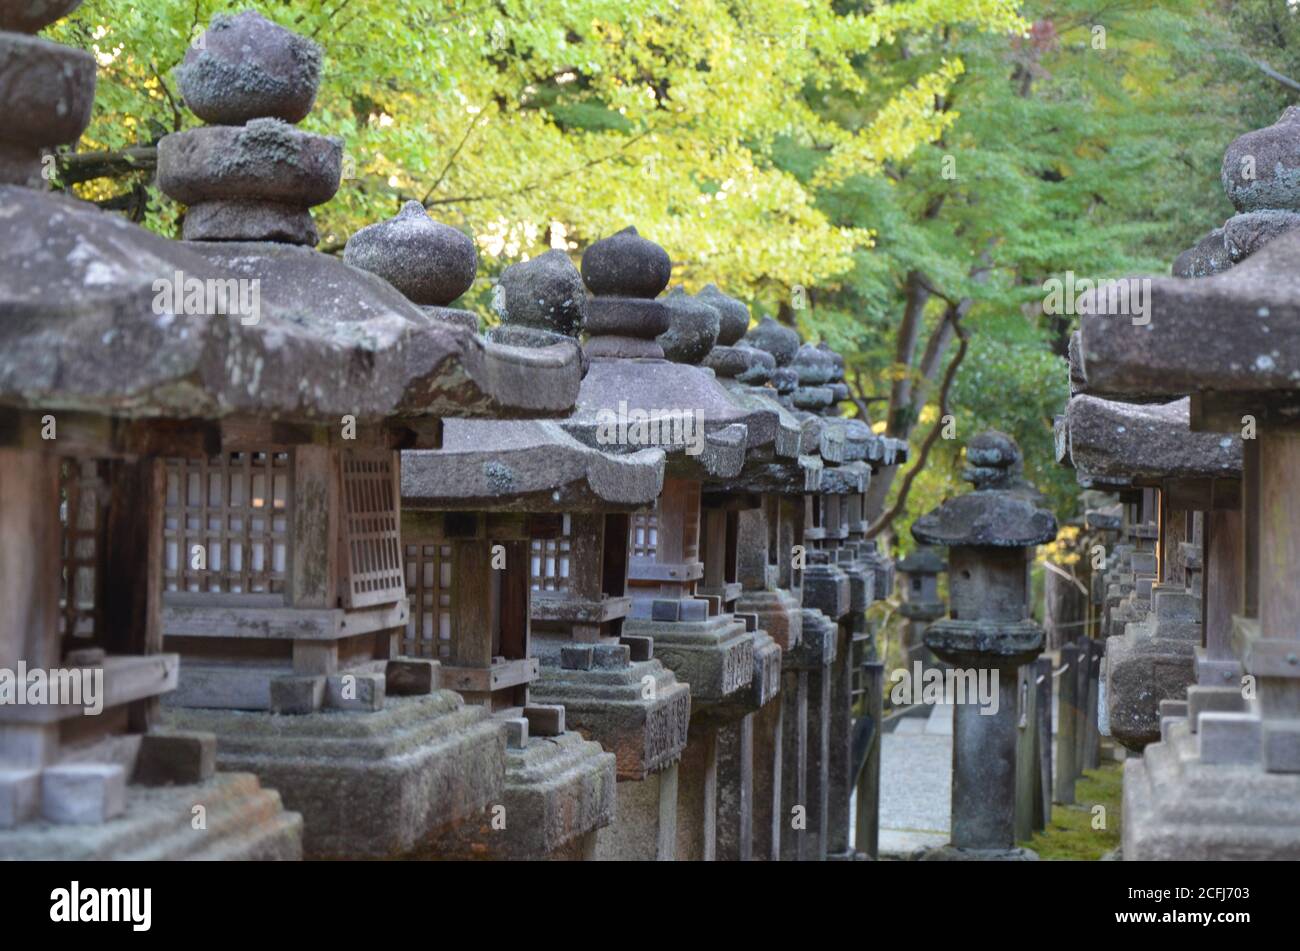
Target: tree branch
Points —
{"points": [[900, 502], [77, 167]]}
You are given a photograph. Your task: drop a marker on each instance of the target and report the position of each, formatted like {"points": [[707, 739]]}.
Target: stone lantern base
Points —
{"points": [[239, 819], [558, 791], [368, 784], [639, 712], [1177, 806]]}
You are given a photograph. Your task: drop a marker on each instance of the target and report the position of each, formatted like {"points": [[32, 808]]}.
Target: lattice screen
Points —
{"points": [[549, 566], [429, 579], [233, 510], [370, 525], [644, 536], [691, 535], [79, 512]]}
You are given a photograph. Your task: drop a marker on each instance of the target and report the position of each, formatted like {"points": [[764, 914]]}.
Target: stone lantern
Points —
{"points": [[990, 535], [743, 548], [633, 397], [1224, 782], [922, 604], [86, 409], [519, 524]]}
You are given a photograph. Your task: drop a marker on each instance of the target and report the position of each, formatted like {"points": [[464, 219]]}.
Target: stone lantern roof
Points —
{"points": [[1233, 330], [1120, 445], [86, 329], [1232, 334], [922, 560], [526, 466], [630, 380], [997, 514]]}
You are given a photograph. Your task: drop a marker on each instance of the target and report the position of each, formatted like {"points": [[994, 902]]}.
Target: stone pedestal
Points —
{"points": [[640, 713], [557, 792], [806, 698], [369, 785], [1151, 662]]}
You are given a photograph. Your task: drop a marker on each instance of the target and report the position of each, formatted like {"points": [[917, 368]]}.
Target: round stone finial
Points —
{"points": [[626, 265], [761, 367], [1261, 169], [784, 380], [814, 366], [545, 293], [47, 91], [836, 362], [734, 315], [781, 342], [29, 16], [428, 261], [993, 460], [693, 328], [247, 67]]}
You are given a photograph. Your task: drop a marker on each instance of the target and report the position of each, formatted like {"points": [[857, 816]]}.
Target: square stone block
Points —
{"points": [[751, 621], [297, 695], [1212, 700], [1281, 747], [577, 657], [665, 609], [1230, 738], [20, 796], [517, 733], [611, 656], [694, 609], [83, 793], [410, 677], [640, 648], [1173, 708], [176, 759], [545, 719], [355, 691]]}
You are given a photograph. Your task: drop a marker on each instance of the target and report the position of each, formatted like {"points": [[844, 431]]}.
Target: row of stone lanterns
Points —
{"points": [[433, 589], [1202, 610]]}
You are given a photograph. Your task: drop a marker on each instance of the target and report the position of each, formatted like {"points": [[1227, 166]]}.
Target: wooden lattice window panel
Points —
{"points": [[429, 579], [79, 511], [235, 509], [691, 524], [549, 560], [644, 536], [370, 524]]}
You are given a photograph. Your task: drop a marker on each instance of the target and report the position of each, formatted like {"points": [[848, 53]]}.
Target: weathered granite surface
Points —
{"points": [[526, 466], [1238, 331], [558, 791], [368, 785], [249, 67], [1118, 444], [84, 328], [244, 821], [428, 261]]}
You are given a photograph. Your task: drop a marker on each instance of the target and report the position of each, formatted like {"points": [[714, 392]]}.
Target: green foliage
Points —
{"points": [[547, 123]]}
